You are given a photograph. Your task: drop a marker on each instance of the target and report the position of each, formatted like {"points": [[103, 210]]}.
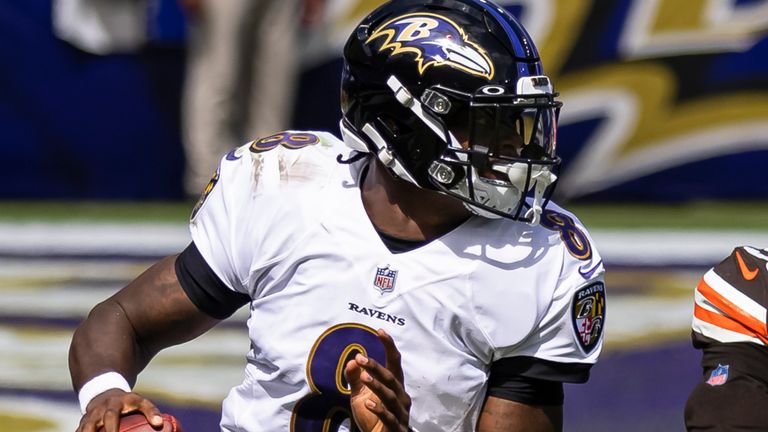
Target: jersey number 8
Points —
{"points": [[291, 141], [574, 238], [327, 406]]}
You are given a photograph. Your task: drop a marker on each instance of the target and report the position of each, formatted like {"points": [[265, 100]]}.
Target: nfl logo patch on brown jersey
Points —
{"points": [[588, 315]]}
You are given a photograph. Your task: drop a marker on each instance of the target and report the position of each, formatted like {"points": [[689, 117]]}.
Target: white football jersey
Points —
{"points": [[283, 222]]}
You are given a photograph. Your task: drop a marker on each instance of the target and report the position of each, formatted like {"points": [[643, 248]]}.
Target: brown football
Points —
{"points": [[136, 422]]}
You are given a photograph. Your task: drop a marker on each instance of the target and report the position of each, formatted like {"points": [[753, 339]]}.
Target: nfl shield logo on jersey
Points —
{"points": [[588, 314], [718, 376], [385, 279]]}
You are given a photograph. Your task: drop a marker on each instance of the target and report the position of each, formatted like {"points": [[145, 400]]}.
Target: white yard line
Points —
{"points": [[669, 247], [36, 359], [40, 238], [618, 247], [635, 317], [65, 288], [63, 300], [61, 416]]}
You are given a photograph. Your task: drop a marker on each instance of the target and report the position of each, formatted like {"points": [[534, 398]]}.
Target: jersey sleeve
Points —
{"points": [[204, 287], [249, 215], [509, 380], [555, 331], [731, 299], [220, 217], [569, 336]]}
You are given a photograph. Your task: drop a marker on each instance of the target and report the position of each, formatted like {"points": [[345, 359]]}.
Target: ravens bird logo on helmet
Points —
{"points": [[435, 41]]}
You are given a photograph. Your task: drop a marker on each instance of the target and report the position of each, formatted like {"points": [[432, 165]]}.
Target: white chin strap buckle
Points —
{"points": [[542, 180]]}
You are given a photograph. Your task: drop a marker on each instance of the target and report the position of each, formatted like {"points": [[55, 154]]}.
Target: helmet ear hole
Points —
{"points": [[400, 136], [403, 137]]}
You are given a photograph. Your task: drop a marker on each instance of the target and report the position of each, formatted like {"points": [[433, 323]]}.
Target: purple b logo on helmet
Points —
{"points": [[435, 41]]}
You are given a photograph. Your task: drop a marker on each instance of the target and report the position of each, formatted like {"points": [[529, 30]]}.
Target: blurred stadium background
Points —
{"points": [[664, 135]]}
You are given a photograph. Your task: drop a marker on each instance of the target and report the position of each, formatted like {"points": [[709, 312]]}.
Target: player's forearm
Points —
{"points": [[104, 342]]}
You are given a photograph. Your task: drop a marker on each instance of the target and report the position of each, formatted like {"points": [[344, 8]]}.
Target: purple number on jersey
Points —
{"points": [[285, 139], [328, 405], [575, 240]]}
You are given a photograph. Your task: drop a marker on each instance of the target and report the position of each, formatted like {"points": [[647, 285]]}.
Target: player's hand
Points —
{"points": [[106, 409], [379, 401]]}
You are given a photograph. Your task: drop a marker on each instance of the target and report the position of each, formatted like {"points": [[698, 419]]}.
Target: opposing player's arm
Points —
{"points": [[124, 332], [502, 415]]}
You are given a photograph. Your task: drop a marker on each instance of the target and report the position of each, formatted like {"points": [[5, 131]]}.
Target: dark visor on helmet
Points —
{"points": [[496, 125]]}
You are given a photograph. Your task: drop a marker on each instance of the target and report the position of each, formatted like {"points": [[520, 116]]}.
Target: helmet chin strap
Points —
{"points": [[351, 139], [540, 181], [543, 179], [382, 152], [386, 156]]}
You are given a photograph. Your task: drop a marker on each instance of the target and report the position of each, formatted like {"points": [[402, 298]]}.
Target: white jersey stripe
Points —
{"points": [[706, 304], [735, 296], [721, 334]]}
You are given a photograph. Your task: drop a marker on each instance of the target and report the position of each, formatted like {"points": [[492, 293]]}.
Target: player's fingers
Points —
{"points": [[111, 419], [130, 402], [86, 424], [352, 373], [394, 359], [151, 412], [396, 402], [94, 422], [107, 408], [94, 418], [384, 384], [390, 421], [87, 427], [382, 374]]}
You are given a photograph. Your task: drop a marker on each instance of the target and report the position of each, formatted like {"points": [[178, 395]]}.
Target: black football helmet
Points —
{"points": [[451, 96]]}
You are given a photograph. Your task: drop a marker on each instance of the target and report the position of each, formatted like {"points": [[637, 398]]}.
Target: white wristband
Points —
{"points": [[98, 385]]}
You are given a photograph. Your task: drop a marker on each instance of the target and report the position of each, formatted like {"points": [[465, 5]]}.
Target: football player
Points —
{"points": [[729, 326], [413, 275]]}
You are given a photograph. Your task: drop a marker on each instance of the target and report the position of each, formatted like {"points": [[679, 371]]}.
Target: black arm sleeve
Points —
{"points": [[534, 381], [204, 288]]}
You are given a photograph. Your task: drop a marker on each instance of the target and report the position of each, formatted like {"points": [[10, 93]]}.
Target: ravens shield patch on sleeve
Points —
{"points": [[588, 315]]}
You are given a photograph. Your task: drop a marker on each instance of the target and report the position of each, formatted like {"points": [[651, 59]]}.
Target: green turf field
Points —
{"points": [[48, 211], [695, 216]]}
